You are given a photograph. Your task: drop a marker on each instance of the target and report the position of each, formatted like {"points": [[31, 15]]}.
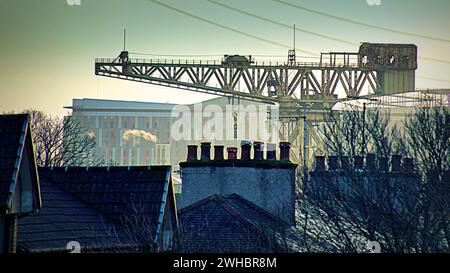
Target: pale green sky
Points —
{"points": [[47, 48]]}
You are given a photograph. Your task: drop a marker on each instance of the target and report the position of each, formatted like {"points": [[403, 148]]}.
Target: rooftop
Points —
{"points": [[227, 224], [14, 138], [93, 205]]}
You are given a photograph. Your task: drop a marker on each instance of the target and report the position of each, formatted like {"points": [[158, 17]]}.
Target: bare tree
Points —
{"points": [[428, 139], [62, 142], [343, 209]]}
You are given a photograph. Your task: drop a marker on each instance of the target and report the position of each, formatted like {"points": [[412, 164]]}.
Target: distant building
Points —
{"points": [[103, 209], [19, 181], [127, 133], [367, 176], [372, 187]]}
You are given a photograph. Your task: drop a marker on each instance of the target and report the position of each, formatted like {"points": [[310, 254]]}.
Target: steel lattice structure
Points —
{"points": [[376, 70]]}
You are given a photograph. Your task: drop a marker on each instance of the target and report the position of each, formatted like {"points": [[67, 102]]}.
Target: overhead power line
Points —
{"points": [[177, 55], [361, 23], [263, 39], [215, 55], [282, 24], [232, 29], [307, 31]]}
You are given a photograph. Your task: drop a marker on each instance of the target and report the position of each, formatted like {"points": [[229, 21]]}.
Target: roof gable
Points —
{"points": [[227, 224], [15, 144]]}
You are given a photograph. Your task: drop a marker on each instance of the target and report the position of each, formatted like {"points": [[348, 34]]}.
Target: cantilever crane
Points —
{"points": [[382, 69]]}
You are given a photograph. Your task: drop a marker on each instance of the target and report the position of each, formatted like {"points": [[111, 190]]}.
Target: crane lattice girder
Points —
{"points": [[303, 83]]}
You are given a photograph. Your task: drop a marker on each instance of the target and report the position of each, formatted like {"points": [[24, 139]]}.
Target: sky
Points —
{"points": [[48, 47]]}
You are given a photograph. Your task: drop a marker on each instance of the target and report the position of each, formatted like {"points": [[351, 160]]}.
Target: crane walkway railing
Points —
{"points": [[111, 61]]}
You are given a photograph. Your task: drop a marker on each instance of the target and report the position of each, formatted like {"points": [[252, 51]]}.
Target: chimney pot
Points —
{"points": [[319, 163], [371, 162], [258, 149], [285, 148], [383, 164], [396, 163], [345, 162], [218, 152], [271, 151], [206, 151], [358, 162], [246, 147], [333, 163], [408, 165], [192, 153], [232, 153]]}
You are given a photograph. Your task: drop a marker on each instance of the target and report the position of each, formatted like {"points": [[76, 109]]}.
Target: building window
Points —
{"points": [[133, 156], [125, 156]]}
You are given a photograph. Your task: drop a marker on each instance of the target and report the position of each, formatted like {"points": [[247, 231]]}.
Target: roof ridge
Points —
{"points": [[198, 203], [108, 168], [248, 202], [14, 115], [237, 215]]}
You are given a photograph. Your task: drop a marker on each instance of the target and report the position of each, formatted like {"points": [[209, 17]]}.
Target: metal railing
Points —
{"points": [[220, 63]]}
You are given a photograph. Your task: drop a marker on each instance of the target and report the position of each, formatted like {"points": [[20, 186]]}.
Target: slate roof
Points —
{"points": [[227, 224], [77, 200], [65, 218], [14, 130]]}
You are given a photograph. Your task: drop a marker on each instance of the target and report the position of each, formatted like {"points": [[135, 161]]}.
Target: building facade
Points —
{"points": [[139, 133], [127, 133]]}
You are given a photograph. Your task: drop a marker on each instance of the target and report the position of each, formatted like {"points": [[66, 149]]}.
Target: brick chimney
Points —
{"points": [[271, 151], [258, 150], [396, 163], [358, 162], [333, 163], [218, 152], [232, 153], [192, 152], [319, 163], [408, 165], [383, 164], [269, 184], [371, 163], [206, 151], [285, 148], [246, 147], [345, 162]]}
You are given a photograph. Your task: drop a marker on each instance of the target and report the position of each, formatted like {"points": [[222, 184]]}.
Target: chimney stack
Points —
{"points": [[218, 152], [246, 147], [396, 163], [232, 153], [258, 149], [271, 151], [333, 163], [371, 162], [192, 153], [206, 151], [267, 182], [320, 163], [285, 148]]}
